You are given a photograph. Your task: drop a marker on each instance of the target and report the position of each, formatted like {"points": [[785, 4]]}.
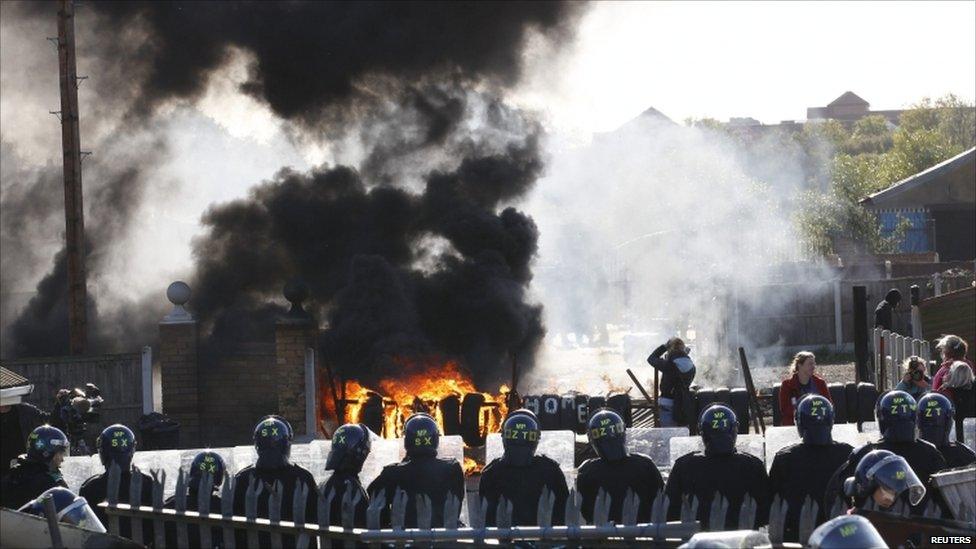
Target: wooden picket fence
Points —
{"points": [[890, 351]]}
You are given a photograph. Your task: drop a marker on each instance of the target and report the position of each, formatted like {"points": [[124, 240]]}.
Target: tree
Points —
{"points": [[871, 157]]}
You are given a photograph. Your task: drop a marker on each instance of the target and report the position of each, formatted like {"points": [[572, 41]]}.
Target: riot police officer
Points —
{"points": [[895, 413], [847, 532], [882, 476], [803, 469], [615, 470], [350, 448], [272, 440], [420, 473], [935, 416], [71, 509], [520, 476], [117, 445], [38, 469], [720, 469], [205, 463]]}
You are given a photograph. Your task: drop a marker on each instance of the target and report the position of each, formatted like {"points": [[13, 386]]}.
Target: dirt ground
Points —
{"points": [[602, 370]]}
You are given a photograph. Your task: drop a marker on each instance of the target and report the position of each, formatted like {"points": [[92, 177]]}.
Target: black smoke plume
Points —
{"points": [[424, 219], [396, 273], [41, 328], [310, 57]]}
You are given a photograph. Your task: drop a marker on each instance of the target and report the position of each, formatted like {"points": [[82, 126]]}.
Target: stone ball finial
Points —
{"points": [[178, 293], [296, 292]]}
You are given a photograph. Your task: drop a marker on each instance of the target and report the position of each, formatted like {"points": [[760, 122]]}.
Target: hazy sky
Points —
{"points": [[762, 59]]}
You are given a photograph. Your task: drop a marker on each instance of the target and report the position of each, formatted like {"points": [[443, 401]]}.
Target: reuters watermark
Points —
{"points": [[950, 540]]}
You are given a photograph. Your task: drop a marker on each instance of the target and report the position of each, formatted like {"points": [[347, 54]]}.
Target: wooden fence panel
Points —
{"points": [[119, 377], [951, 313]]}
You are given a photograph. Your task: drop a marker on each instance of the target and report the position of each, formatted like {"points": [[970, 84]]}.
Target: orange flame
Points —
{"points": [[471, 467], [420, 387]]}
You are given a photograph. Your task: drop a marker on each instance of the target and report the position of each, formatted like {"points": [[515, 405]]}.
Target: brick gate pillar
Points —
{"points": [[294, 333], [179, 365]]}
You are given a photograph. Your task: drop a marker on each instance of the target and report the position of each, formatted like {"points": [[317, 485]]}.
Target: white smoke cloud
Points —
{"points": [[657, 230]]}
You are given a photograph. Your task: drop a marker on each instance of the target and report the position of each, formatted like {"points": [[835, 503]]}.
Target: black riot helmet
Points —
{"points": [[421, 435], [71, 509], [350, 447], [895, 413], [885, 469], [608, 434], [814, 419], [847, 532], [520, 438], [116, 444], [272, 440], [719, 428], [523, 412], [207, 462], [934, 417], [46, 441]]}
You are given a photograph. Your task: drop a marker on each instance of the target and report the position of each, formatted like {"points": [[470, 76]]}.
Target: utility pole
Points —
{"points": [[74, 215]]}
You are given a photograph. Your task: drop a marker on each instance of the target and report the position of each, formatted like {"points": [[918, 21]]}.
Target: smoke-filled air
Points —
{"points": [[409, 240]]}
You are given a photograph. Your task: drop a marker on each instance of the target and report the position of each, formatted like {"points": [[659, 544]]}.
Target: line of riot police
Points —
{"points": [[914, 444]]}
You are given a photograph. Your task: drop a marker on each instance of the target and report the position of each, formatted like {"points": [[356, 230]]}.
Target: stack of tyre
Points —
{"points": [[572, 411], [737, 399], [853, 402]]}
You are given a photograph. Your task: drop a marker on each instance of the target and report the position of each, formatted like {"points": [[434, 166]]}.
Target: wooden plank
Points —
{"points": [[950, 313]]}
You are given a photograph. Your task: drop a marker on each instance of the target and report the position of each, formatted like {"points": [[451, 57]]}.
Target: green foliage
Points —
{"points": [[869, 157], [704, 123]]}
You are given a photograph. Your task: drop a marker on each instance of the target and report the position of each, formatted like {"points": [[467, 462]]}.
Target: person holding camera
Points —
{"points": [[914, 381], [74, 409], [677, 372]]}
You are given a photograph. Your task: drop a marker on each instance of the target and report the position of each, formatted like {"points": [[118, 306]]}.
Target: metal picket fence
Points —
{"points": [[890, 350], [602, 533]]}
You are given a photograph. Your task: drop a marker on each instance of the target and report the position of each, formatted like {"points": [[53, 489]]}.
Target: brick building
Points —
{"points": [[849, 107]]}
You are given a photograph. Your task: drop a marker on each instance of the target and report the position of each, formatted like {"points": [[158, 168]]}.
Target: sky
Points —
{"points": [[766, 60]]}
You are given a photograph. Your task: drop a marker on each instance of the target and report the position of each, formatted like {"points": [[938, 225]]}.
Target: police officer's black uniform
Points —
{"points": [[615, 470], [203, 463], [33, 473], [520, 476], [272, 440], [895, 412], [117, 444], [936, 415], [421, 472], [803, 470], [350, 448], [719, 469]]}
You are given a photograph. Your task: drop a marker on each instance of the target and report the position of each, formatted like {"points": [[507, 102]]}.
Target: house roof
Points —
{"points": [[10, 379], [958, 185], [848, 98]]}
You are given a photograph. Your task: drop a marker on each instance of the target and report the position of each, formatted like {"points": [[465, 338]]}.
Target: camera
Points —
{"points": [[73, 410], [917, 375]]}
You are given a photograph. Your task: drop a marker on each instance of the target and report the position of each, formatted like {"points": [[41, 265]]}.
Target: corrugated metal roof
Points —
{"points": [[10, 379]]}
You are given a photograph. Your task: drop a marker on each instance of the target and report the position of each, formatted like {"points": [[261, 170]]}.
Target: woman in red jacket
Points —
{"points": [[801, 383]]}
